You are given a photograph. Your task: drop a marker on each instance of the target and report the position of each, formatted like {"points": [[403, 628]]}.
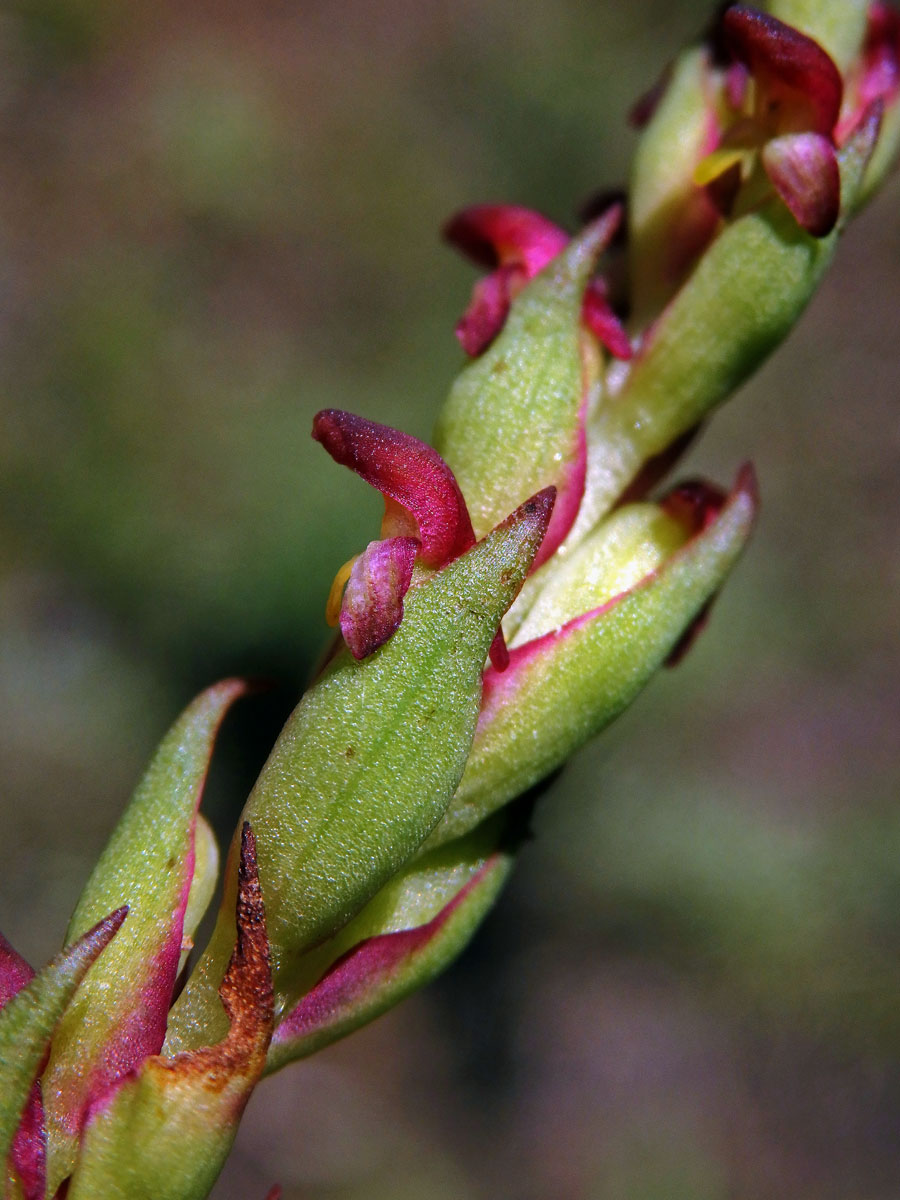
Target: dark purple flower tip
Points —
{"points": [[695, 504], [698, 503], [641, 112], [798, 86], [405, 471], [372, 607], [804, 170]]}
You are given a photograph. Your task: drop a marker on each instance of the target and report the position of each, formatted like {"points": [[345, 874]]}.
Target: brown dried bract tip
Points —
{"points": [[246, 991]]}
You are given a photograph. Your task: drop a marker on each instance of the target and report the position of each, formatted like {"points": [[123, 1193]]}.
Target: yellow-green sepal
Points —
{"points": [[563, 688]]}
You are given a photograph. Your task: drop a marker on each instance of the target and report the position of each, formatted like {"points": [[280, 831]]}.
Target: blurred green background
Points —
{"points": [[216, 218]]}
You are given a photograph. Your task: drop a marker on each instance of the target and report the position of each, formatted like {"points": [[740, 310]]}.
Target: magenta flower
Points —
{"points": [[425, 520], [785, 94], [516, 244], [875, 76]]}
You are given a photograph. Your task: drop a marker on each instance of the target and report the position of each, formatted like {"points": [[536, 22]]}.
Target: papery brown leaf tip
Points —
{"points": [[246, 990]]}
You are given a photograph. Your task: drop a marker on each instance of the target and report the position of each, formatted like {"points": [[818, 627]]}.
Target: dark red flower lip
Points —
{"points": [[800, 87], [407, 471]]}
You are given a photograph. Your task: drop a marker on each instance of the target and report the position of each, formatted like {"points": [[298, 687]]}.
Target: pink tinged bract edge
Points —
{"points": [[372, 607], [407, 471], [28, 1154], [139, 1029], [568, 494], [804, 171], [368, 966], [790, 70], [499, 689], [143, 1030]]}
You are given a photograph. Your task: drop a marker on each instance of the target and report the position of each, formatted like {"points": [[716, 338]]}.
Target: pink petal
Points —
{"points": [[798, 85], [517, 244], [28, 1155], [487, 310], [881, 55], [805, 172], [14, 971], [497, 235], [407, 471], [603, 322], [373, 601]]}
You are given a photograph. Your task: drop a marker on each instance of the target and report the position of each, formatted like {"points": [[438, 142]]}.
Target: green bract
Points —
{"points": [[511, 423], [367, 764], [119, 1013]]}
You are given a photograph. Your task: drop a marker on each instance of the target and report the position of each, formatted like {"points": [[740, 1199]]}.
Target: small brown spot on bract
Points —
{"points": [[350, 752], [170, 865], [500, 366]]}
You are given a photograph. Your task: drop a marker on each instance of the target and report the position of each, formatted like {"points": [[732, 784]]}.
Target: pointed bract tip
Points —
{"points": [[747, 483], [110, 925], [535, 512]]}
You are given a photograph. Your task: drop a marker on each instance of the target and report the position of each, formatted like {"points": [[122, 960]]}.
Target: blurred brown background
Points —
{"points": [[216, 218]]}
